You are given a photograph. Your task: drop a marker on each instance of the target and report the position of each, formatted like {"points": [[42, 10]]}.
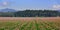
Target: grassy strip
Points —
{"points": [[37, 25], [23, 26], [30, 26], [51, 24]]}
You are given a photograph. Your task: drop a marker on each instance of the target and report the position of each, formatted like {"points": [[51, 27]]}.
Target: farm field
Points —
{"points": [[29, 23]]}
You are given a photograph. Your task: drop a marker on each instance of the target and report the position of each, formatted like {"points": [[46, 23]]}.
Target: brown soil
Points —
{"points": [[29, 18]]}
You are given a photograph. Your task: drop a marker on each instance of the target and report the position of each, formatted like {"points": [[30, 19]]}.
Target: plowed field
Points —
{"points": [[29, 23]]}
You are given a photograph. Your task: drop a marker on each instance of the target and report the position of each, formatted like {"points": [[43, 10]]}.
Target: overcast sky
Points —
{"points": [[30, 4]]}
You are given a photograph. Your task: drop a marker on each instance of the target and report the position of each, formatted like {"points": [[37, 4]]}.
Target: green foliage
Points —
{"points": [[31, 13]]}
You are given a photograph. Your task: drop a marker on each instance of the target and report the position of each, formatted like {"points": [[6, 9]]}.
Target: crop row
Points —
{"points": [[30, 25]]}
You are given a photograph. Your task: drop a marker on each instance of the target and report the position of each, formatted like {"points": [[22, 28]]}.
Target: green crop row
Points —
{"points": [[29, 25]]}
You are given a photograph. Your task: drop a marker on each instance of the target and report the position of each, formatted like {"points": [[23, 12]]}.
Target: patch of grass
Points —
{"points": [[37, 25]]}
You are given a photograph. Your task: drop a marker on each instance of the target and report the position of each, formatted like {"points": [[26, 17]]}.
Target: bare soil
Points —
{"points": [[29, 18]]}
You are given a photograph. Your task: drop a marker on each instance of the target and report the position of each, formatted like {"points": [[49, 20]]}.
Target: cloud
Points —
{"points": [[56, 6], [4, 4]]}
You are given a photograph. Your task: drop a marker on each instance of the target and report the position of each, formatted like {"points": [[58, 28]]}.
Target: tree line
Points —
{"points": [[31, 13]]}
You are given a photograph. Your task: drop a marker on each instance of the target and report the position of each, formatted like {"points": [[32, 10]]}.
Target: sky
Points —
{"points": [[30, 4]]}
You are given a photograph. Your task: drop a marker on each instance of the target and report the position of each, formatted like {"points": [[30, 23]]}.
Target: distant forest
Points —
{"points": [[31, 13]]}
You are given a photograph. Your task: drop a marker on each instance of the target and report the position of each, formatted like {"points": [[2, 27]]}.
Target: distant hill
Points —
{"points": [[7, 10], [58, 10]]}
